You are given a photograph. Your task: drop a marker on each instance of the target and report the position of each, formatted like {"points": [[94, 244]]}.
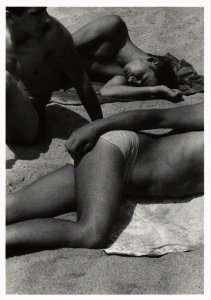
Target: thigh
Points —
{"points": [[99, 186], [22, 120], [49, 196]]}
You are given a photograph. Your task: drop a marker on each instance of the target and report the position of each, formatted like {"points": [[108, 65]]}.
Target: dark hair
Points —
{"points": [[164, 72], [16, 10]]}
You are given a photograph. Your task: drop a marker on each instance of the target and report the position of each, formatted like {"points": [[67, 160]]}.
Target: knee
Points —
{"points": [[94, 236]]}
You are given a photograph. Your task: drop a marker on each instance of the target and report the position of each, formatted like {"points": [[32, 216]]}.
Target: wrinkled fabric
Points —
{"points": [[188, 80], [156, 227]]}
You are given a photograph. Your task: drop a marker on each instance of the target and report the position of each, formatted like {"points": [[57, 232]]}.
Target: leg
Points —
{"points": [[21, 119], [49, 196], [99, 182]]}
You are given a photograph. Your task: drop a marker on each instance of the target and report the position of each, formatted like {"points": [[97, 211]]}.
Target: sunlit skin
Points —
{"points": [[167, 165], [110, 56], [140, 72]]}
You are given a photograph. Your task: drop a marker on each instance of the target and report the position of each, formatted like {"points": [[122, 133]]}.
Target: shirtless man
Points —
{"points": [[109, 54], [111, 165], [41, 58]]}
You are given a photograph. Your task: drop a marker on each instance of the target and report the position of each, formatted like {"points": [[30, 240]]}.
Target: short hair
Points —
{"points": [[164, 72], [16, 10]]}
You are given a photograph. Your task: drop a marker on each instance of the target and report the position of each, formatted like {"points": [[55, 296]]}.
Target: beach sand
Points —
{"points": [[81, 271]]}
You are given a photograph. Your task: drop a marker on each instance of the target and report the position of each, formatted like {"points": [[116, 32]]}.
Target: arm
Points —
{"points": [[71, 64], [11, 60], [187, 118], [118, 87]]}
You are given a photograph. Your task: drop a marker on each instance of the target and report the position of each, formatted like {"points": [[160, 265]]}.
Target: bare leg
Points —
{"points": [[49, 196], [21, 119], [99, 182]]}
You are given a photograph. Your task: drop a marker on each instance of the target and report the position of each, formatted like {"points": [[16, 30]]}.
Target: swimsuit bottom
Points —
{"points": [[128, 144]]}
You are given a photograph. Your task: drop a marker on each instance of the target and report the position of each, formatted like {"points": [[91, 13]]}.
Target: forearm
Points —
{"points": [[187, 118], [90, 101], [127, 92], [132, 120]]}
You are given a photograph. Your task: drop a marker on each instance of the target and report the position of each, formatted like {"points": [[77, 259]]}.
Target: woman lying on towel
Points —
{"points": [[109, 54], [112, 159]]}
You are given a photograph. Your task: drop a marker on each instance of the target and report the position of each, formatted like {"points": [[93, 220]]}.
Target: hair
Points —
{"points": [[16, 10], [164, 72]]}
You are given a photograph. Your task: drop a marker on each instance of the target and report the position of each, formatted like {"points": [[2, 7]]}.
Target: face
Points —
{"points": [[33, 20], [141, 73]]}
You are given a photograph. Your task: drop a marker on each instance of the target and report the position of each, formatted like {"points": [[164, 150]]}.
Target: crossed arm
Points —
{"points": [[118, 87], [186, 118]]}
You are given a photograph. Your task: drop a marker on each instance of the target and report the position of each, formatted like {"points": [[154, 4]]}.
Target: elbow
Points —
{"points": [[103, 92]]}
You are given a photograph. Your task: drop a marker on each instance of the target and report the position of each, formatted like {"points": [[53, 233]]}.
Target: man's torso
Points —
{"points": [[170, 165], [37, 66]]}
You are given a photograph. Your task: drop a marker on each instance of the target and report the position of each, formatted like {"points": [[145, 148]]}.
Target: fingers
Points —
{"points": [[176, 95], [78, 148], [79, 152], [73, 146]]}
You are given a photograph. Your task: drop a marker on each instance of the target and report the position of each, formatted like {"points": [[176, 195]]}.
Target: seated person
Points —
{"points": [[41, 58], [112, 159], [110, 55]]}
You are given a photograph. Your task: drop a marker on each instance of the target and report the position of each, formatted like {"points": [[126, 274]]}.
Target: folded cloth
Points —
{"points": [[154, 228], [188, 80]]}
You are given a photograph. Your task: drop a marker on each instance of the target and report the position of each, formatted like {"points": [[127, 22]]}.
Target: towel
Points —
{"points": [[70, 96], [155, 227], [189, 82]]}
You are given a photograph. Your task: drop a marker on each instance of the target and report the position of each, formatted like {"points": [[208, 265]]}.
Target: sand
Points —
{"points": [[82, 271]]}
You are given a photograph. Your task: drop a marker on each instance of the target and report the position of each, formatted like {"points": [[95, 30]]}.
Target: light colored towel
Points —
{"points": [[155, 228], [70, 97]]}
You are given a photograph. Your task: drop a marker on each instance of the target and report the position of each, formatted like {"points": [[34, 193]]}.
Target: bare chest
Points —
{"points": [[37, 67]]}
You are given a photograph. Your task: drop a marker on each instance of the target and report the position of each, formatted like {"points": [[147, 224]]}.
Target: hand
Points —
{"points": [[82, 140], [173, 95]]}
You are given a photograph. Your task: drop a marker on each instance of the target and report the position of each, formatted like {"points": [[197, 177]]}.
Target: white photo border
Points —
{"points": [[207, 101]]}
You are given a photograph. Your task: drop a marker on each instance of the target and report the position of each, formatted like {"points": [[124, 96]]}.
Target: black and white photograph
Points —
{"points": [[104, 130]]}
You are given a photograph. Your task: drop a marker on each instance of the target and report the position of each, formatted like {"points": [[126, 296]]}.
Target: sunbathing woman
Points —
{"points": [[110, 55], [107, 168]]}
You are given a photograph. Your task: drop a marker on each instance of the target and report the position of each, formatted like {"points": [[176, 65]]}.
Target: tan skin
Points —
{"points": [[109, 54], [169, 165], [40, 51]]}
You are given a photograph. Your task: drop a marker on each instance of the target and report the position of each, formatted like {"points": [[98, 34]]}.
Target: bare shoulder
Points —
{"points": [[57, 35], [117, 80]]}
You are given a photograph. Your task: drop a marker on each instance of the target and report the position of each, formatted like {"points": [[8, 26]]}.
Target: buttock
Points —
{"points": [[128, 144]]}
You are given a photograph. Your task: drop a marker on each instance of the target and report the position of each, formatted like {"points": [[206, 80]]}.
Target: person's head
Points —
{"points": [[27, 19], [150, 72]]}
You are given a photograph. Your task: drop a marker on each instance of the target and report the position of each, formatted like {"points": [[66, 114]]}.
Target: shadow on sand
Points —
{"points": [[61, 122]]}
